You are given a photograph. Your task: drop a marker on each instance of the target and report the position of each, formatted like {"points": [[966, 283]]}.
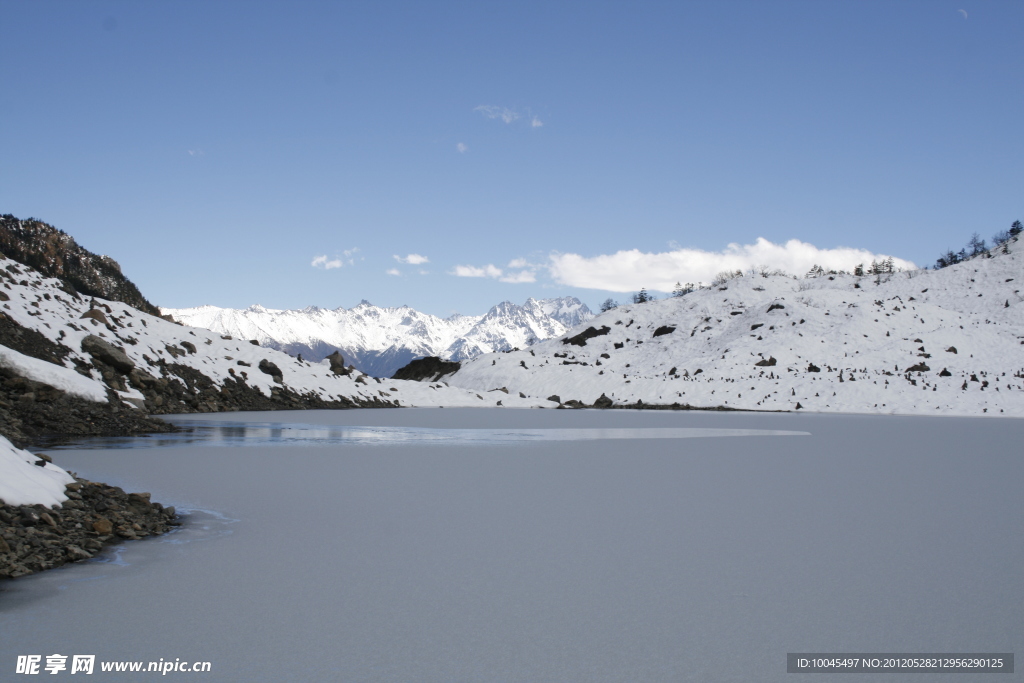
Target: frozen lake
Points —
{"points": [[531, 545]]}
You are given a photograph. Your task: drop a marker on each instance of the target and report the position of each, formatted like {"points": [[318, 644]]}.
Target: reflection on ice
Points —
{"points": [[280, 433]]}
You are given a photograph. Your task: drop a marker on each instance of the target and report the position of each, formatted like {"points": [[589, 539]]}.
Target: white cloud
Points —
{"points": [[520, 277], [424, 272], [492, 271], [536, 123], [461, 147], [628, 271], [196, 153], [518, 263], [472, 271], [393, 271], [492, 112], [322, 262], [338, 261], [412, 259]]}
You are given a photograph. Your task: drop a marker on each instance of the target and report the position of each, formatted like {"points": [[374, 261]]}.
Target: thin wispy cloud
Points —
{"points": [[630, 270], [524, 272], [412, 259], [493, 112], [520, 277], [462, 148], [393, 271], [196, 152], [490, 270], [323, 262], [508, 116]]}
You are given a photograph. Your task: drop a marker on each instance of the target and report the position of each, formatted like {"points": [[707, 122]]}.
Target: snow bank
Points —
{"points": [[56, 376], [22, 482]]}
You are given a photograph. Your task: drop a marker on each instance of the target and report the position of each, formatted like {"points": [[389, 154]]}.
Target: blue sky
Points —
{"points": [[286, 153]]}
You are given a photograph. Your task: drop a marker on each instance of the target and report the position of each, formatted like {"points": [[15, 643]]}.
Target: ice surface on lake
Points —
{"points": [[228, 433], [653, 559]]}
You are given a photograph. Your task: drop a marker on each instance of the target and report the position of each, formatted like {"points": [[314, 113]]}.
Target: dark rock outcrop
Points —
{"points": [[430, 369], [31, 410], [29, 342], [54, 253], [589, 333], [664, 329], [34, 537], [603, 402]]}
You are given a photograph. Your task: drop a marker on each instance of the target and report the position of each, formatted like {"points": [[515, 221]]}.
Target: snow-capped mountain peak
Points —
{"points": [[379, 340]]}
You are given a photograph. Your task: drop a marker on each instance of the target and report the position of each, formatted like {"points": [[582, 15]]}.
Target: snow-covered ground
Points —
{"points": [[22, 482], [380, 340], [945, 342]]}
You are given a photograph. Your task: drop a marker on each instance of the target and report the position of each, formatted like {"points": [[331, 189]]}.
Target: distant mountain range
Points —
{"points": [[379, 341]]}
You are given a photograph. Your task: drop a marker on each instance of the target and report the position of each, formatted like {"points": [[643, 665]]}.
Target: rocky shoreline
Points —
{"points": [[34, 538]]}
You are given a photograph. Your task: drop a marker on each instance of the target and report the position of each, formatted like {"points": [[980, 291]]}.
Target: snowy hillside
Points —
{"points": [[918, 342], [92, 347], [378, 340]]}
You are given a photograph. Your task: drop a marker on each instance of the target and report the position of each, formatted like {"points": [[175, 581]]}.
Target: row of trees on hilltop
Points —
{"points": [[977, 246]]}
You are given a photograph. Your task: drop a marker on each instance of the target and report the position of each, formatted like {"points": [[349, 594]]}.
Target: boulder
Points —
{"points": [[103, 526], [106, 353], [268, 368], [603, 402], [555, 397], [97, 315], [337, 363], [430, 368]]}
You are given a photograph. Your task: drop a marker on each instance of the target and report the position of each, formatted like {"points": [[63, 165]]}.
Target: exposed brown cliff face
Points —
{"points": [[54, 253]]}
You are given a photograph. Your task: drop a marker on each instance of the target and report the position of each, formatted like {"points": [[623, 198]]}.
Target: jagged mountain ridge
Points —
{"points": [[379, 340], [54, 253], [946, 342]]}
